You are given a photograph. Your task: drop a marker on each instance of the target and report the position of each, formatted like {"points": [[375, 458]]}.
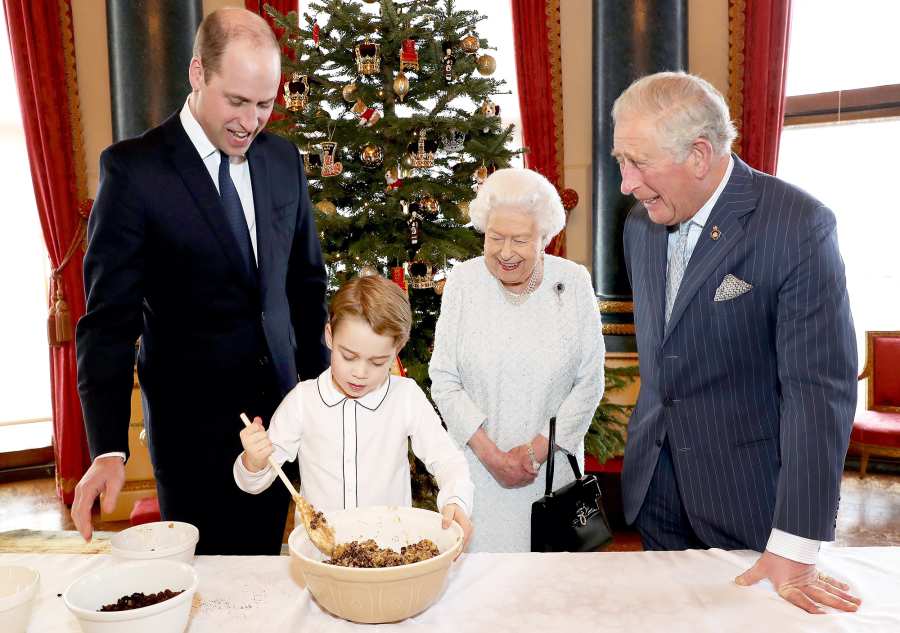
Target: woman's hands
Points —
{"points": [[257, 446], [511, 469]]}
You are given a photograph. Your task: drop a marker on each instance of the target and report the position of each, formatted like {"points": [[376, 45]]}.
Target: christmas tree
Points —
{"points": [[390, 105]]}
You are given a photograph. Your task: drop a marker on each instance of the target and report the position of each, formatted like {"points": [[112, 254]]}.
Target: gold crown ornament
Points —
{"points": [[296, 92], [368, 57]]}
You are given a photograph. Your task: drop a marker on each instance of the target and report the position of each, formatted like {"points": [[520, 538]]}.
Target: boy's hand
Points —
{"points": [[257, 446], [453, 512]]}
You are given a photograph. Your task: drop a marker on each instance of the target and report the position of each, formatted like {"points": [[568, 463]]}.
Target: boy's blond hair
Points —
{"points": [[378, 302]]}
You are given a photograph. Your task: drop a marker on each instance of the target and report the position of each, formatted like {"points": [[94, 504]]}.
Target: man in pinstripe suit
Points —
{"points": [[746, 343]]}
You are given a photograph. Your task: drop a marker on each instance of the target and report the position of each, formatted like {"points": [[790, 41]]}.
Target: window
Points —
{"points": [[842, 127], [24, 267]]}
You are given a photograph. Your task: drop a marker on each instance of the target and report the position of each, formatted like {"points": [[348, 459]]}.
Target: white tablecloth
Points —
{"points": [[644, 592]]}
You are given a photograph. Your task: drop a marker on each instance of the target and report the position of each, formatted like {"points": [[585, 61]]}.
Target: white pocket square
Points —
{"points": [[731, 288]]}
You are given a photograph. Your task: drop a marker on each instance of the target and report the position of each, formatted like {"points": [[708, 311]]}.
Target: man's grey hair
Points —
{"points": [[684, 107], [524, 190]]}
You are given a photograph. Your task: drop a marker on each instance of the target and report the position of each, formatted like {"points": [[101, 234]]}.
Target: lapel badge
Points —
{"points": [[715, 233]]}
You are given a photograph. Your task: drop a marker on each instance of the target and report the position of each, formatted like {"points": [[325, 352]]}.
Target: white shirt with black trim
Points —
{"points": [[353, 451]]}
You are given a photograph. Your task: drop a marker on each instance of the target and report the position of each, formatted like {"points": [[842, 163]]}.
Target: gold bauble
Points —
{"points": [[430, 205], [464, 209], [439, 286], [486, 65], [349, 92], [407, 161], [379, 92], [470, 44], [322, 114], [371, 155], [401, 85], [326, 206]]}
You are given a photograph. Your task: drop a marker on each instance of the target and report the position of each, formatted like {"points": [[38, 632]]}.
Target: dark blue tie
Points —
{"points": [[234, 212]]}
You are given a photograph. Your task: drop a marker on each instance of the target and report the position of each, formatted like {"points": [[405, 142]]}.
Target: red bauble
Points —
{"points": [[569, 199]]}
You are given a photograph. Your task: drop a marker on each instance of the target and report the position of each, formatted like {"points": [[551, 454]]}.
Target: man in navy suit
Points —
{"points": [[202, 243], [746, 345]]}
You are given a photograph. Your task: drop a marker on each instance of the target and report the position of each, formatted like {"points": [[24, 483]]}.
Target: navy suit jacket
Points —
{"points": [[756, 394], [163, 265]]}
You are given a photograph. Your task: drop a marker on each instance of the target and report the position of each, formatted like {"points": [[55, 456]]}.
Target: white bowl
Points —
{"points": [[171, 540], [386, 594], [18, 586], [105, 586]]}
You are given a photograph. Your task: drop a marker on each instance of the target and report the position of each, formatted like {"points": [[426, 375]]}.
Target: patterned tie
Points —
{"points": [[234, 212], [677, 264]]}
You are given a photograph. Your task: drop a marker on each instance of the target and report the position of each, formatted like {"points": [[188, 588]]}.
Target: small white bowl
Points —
{"points": [[172, 540], [18, 586], [87, 594]]}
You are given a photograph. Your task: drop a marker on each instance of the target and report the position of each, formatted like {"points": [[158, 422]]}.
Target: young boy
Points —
{"points": [[349, 427]]}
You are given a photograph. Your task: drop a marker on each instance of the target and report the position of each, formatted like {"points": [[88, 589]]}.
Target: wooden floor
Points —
{"points": [[869, 513]]}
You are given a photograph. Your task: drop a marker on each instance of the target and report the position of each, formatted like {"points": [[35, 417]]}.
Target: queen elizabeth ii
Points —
{"points": [[518, 341]]}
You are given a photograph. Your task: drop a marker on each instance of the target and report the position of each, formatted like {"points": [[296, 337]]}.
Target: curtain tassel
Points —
{"points": [[59, 323]]}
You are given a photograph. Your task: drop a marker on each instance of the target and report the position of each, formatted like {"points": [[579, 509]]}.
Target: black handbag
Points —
{"points": [[570, 519]]}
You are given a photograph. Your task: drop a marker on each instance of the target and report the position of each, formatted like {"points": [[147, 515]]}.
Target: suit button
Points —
{"points": [[659, 442], [667, 402], [263, 361]]}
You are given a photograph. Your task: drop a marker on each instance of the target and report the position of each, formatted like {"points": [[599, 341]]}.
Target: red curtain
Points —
{"points": [[536, 37], [760, 33], [41, 41]]}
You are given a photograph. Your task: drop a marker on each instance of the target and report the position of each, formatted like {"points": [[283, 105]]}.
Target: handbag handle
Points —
{"points": [[573, 461]]}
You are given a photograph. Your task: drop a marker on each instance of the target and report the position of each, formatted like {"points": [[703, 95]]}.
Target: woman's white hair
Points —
{"points": [[684, 107], [523, 190]]}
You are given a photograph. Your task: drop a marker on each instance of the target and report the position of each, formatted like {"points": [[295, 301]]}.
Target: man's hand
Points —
{"points": [[104, 478], [800, 584], [257, 446], [452, 512]]}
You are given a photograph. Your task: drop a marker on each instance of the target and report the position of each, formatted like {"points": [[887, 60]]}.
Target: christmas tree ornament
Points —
{"points": [[439, 286], [322, 114], [393, 178], [371, 155], [296, 92], [401, 85], [326, 206], [454, 140], [430, 206], [489, 110], [370, 1], [486, 65], [368, 271], [470, 44], [409, 57], [447, 64], [421, 274], [407, 160], [368, 57], [312, 162], [368, 116], [481, 174], [421, 153], [398, 276], [349, 92], [379, 92], [463, 207], [330, 164], [315, 32]]}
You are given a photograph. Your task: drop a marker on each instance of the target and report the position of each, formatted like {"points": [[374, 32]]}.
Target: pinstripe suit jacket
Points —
{"points": [[756, 394]]}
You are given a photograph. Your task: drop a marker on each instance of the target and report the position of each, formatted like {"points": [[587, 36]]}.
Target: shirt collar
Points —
{"points": [[702, 215], [333, 396], [195, 132]]}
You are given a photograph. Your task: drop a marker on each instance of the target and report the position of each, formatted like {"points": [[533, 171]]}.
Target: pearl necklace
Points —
{"points": [[520, 298]]}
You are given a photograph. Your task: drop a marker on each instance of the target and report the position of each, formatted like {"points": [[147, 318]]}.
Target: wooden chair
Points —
{"points": [[876, 431]]}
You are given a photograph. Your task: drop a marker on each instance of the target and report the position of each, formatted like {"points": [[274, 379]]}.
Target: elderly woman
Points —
{"points": [[518, 341]]}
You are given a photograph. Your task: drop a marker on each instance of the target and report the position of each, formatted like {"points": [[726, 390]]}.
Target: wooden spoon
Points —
{"points": [[320, 533]]}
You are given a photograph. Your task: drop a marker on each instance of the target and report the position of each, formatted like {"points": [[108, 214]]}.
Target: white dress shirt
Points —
{"points": [[791, 546], [353, 452], [239, 168]]}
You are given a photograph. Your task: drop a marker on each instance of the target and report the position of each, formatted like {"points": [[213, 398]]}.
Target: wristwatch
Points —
{"points": [[534, 462]]}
